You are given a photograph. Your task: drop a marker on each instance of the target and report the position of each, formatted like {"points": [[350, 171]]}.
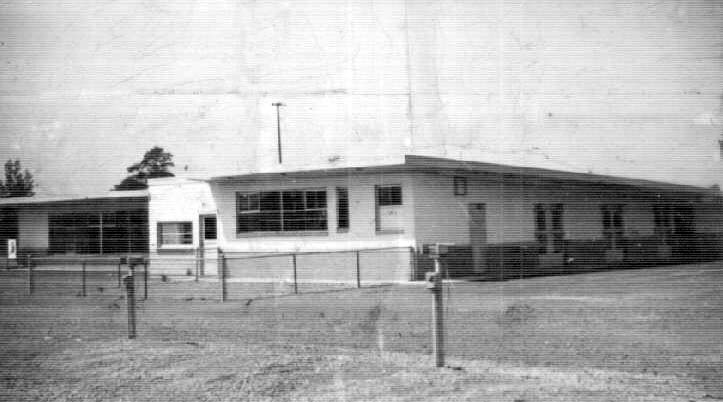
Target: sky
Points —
{"points": [[627, 88]]}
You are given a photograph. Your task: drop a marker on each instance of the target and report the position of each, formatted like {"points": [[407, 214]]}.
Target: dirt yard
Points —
{"points": [[642, 335]]}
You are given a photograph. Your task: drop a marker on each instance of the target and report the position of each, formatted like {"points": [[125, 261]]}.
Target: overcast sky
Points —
{"points": [[613, 87]]}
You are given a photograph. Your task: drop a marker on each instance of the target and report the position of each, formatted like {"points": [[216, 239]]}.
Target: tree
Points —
{"points": [[18, 183], [156, 163]]}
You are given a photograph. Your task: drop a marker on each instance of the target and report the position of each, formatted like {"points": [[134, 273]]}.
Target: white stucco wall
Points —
{"points": [[180, 200], [442, 216], [177, 200], [362, 225]]}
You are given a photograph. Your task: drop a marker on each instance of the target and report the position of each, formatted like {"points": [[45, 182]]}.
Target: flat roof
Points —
{"points": [[52, 199], [417, 163]]}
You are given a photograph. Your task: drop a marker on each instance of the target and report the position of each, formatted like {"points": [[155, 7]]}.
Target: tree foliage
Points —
{"points": [[155, 163], [18, 183]]}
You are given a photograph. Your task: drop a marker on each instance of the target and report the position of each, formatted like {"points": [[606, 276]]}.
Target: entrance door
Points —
{"points": [[206, 241], [477, 214]]}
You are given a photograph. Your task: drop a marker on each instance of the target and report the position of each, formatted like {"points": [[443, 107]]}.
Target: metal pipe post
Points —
{"points": [[131, 296], [437, 316], [296, 286], [145, 279], [198, 262], [31, 279], [224, 290], [358, 273], [83, 290], [120, 260]]}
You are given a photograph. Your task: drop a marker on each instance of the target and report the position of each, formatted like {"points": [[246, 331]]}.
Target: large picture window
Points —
{"points": [[175, 233], [281, 211]]}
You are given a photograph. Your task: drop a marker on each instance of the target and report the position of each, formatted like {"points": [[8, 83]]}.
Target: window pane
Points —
{"points": [[391, 195], [175, 233], [293, 200], [557, 217], [540, 223], [316, 199], [209, 227], [541, 242], [618, 219], [558, 241], [342, 208], [270, 201], [606, 218]]}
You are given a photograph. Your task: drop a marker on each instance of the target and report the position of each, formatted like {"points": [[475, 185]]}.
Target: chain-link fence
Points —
{"points": [[210, 276]]}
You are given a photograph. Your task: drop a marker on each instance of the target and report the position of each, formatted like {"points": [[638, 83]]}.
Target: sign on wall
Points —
{"points": [[12, 249]]}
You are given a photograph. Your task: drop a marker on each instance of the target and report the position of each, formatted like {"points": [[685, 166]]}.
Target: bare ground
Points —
{"points": [[652, 334]]}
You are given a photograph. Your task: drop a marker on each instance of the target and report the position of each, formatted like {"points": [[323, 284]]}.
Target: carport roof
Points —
{"points": [[110, 195], [416, 163]]}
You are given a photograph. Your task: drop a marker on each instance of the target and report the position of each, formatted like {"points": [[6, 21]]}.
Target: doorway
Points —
{"points": [[208, 233], [477, 216]]}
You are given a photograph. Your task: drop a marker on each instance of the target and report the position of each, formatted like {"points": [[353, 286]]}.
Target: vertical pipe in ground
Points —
{"points": [[31, 278], [145, 279], [82, 279], [296, 286], [131, 296], [222, 274], [358, 273], [437, 316]]}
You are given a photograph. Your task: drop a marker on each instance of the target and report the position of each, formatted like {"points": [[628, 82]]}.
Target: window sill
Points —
{"points": [[172, 247], [283, 234], [390, 231]]}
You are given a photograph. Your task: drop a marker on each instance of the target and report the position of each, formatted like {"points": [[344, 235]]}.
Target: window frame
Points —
{"points": [[283, 217], [159, 233]]}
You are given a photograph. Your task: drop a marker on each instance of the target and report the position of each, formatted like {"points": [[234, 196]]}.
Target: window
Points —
{"points": [[281, 211], [613, 231], [342, 208], [388, 208], [460, 185], [672, 221], [175, 233], [209, 227], [540, 229], [558, 233], [390, 195], [663, 222], [550, 236]]}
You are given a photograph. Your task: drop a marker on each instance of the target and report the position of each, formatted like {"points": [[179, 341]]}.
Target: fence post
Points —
{"points": [[120, 261], [131, 296], [224, 290], [83, 290], [413, 263], [31, 279], [435, 284], [198, 262], [358, 274], [296, 286], [145, 279]]}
